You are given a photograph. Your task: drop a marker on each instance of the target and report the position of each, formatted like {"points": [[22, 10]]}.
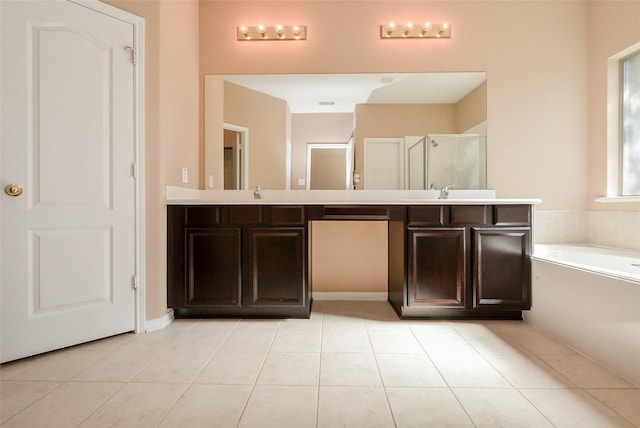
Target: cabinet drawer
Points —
{"points": [[349, 212], [428, 215], [470, 214], [242, 214], [202, 215], [512, 215], [287, 215]]}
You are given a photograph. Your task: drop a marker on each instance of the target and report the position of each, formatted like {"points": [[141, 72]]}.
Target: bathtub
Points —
{"points": [[589, 299]]}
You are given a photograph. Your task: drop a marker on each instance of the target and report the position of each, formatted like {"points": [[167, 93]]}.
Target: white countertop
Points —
{"points": [[183, 196]]}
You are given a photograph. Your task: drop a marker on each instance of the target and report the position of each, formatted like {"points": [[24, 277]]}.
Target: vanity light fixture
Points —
{"points": [[272, 32], [415, 31]]}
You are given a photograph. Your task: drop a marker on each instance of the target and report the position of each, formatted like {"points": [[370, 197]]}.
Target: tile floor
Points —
{"points": [[353, 364]]}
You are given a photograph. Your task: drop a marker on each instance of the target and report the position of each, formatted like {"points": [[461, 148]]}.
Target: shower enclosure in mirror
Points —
{"points": [[454, 160], [457, 160]]}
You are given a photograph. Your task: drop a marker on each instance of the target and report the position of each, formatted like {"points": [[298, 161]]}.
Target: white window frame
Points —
{"points": [[636, 121], [614, 136]]}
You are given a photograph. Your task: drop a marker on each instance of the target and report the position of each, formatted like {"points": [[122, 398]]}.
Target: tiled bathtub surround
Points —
{"points": [[353, 364], [554, 227], [620, 229]]}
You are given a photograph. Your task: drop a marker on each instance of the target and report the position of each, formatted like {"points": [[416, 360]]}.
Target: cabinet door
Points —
{"points": [[437, 267], [213, 267], [502, 268], [274, 272]]}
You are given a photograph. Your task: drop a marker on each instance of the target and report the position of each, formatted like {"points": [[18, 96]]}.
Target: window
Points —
{"points": [[623, 126], [630, 125]]}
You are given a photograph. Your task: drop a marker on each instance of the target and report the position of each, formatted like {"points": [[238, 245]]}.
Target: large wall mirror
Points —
{"points": [[397, 130]]}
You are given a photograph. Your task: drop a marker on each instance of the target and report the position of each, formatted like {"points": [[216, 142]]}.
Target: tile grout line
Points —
{"points": [[444, 379], [319, 372], [62, 383], [384, 388], [195, 376], [255, 382], [502, 375]]}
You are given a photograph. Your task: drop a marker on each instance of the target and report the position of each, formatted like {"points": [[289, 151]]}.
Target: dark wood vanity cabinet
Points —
{"points": [[467, 261], [237, 261], [444, 261]]}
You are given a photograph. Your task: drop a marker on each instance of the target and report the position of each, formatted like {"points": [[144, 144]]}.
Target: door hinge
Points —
{"points": [[132, 51], [134, 282], [134, 170]]}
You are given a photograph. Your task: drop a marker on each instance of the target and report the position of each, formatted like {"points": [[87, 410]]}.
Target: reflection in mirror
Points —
{"points": [[287, 113], [236, 140], [457, 161], [418, 165], [324, 164]]}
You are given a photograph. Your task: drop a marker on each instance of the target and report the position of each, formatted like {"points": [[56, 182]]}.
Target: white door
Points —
{"points": [[384, 163], [68, 241]]}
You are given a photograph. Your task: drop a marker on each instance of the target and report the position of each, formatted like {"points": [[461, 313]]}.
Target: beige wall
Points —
{"points": [[546, 106], [472, 109], [315, 128], [328, 169], [341, 263]]}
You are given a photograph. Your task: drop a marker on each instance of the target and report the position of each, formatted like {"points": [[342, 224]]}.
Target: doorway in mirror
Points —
{"points": [[236, 144], [329, 166]]}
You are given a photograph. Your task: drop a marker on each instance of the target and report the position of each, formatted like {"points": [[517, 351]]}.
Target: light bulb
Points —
{"points": [[407, 28], [391, 27]]}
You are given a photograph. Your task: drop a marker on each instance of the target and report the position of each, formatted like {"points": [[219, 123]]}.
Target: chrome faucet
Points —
{"points": [[257, 192], [444, 192]]}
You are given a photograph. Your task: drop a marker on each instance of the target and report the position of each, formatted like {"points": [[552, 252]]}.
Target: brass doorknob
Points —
{"points": [[13, 190]]}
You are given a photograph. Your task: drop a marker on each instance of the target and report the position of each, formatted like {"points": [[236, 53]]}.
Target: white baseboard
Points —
{"points": [[358, 296], [159, 323]]}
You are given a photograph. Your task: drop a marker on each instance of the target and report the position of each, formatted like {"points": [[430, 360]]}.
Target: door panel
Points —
{"points": [[274, 274], [56, 111], [502, 268], [214, 267], [68, 138], [90, 248], [437, 267]]}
